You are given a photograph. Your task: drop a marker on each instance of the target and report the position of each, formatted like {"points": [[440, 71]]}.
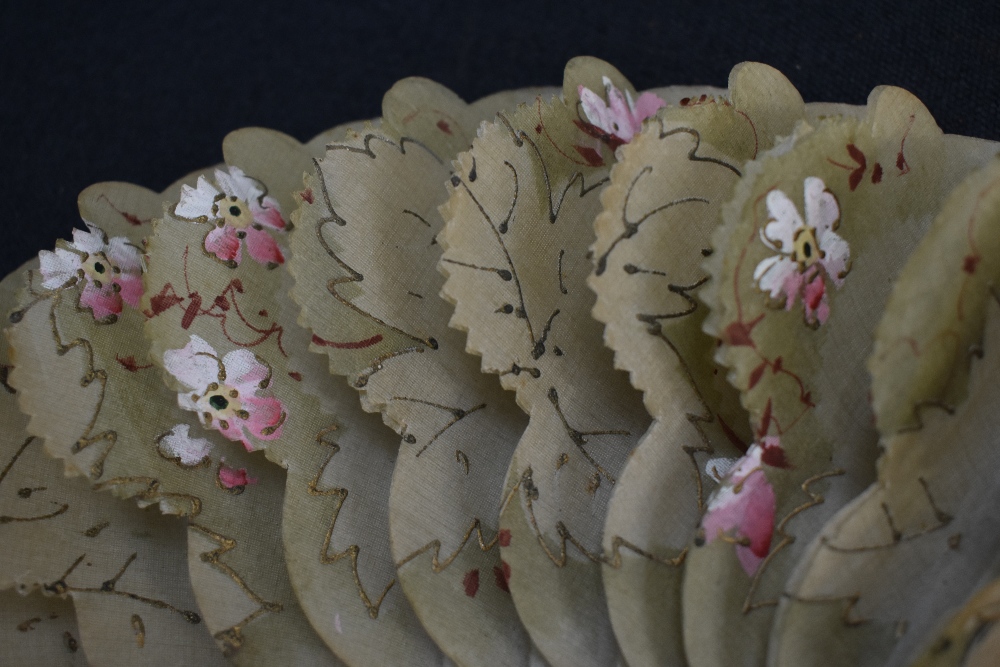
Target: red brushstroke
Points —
{"points": [[295, 375], [307, 195], [592, 157], [503, 537], [444, 127], [502, 574], [471, 583], [130, 364], [970, 263], [130, 218], [877, 174], [756, 374], [732, 436], [354, 345]]}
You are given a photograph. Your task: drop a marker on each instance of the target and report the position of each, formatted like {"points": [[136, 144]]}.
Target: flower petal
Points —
{"points": [[224, 244], [190, 365], [779, 275], [91, 240], [232, 477], [595, 109], [58, 267], [178, 443], [103, 301], [836, 255], [624, 126], [235, 183], [197, 202], [131, 288], [262, 247], [814, 299], [822, 209], [647, 105], [267, 416], [779, 233], [244, 372], [268, 213], [124, 255]]}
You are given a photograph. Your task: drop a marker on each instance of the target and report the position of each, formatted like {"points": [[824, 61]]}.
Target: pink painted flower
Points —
{"points": [[742, 508], [178, 444], [228, 392], [110, 270], [234, 478], [809, 252], [621, 118], [240, 209]]}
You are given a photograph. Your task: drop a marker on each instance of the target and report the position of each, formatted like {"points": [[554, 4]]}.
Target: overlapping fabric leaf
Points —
{"points": [[37, 629], [875, 582], [85, 379], [660, 209], [231, 347], [518, 228], [365, 260], [816, 233]]}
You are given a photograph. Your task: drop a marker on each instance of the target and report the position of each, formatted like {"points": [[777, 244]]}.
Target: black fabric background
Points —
{"points": [[145, 93]]}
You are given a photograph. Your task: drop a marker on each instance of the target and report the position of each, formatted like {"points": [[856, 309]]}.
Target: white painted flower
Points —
{"points": [[110, 270], [228, 393], [240, 209], [620, 118], [178, 444], [810, 251]]}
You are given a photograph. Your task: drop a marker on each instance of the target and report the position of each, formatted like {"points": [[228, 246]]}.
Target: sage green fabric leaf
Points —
{"points": [[659, 211], [922, 538], [35, 629], [365, 259], [518, 228], [85, 378], [810, 245], [339, 458], [114, 561]]}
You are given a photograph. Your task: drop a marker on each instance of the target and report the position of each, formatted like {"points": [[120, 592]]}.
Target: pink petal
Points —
{"points": [[244, 372], [623, 125], [233, 431], [268, 213], [262, 247], [190, 365], [647, 105], [131, 288], [102, 301], [224, 244], [813, 297], [231, 477], [265, 412], [779, 275], [748, 513]]}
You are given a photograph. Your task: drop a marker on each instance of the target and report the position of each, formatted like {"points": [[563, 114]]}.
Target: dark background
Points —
{"points": [[145, 93]]}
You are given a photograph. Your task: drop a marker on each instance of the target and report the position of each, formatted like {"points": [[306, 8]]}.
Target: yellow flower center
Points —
{"points": [[235, 212], [807, 251], [221, 403], [99, 269]]}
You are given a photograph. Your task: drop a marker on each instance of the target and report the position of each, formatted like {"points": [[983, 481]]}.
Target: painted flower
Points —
{"points": [[178, 444], [621, 118], [240, 209], [742, 508], [110, 270], [809, 252], [227, 392]]}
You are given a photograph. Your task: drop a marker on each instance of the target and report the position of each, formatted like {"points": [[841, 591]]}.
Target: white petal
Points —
{"points": [[190, 365], [197, 202], [124, 255], [718, 467], [243, 371], [822, 210], [91, 241], [772, 273], [836, 255], [784, 221], [178, 443], [237, 184], [58, 267], [595, 110]]}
